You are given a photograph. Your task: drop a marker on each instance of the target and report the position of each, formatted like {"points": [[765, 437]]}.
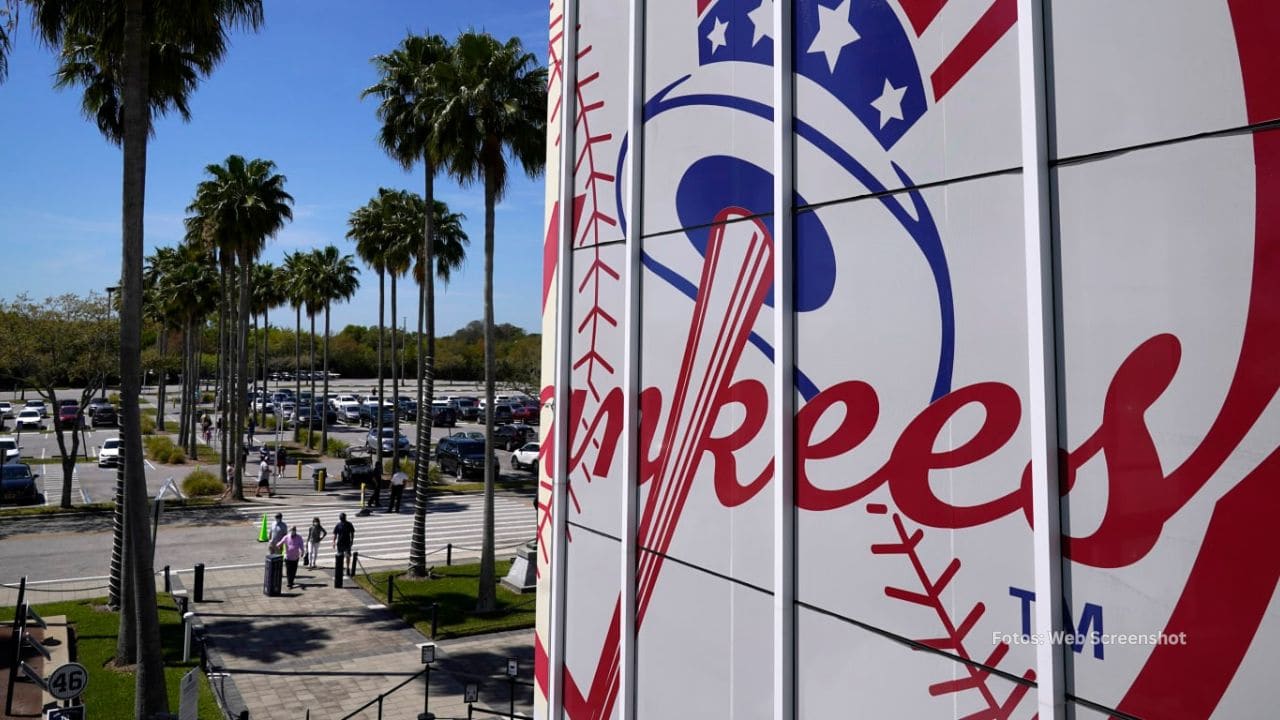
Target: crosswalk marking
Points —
{"points": [[384, 537]]}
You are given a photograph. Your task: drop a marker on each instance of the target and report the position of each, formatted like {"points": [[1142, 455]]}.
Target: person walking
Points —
{"points": [[315, 534], [292, 553], [344, 536], [398, 479], [253, 425], [375, 495], [264, 478], [278, 531]]}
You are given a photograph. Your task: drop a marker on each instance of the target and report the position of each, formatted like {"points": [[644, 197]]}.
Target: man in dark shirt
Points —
{"points": [[344, 536]]}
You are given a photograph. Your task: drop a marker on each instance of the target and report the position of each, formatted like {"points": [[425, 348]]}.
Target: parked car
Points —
{"points": [[524, 412], [442, 415], [69, 415], [502, 414], [510, 437], [369, 416], [94, 404], [328, 413], [468, 408], [460, 456], [392, 441], [409, 410], [6, 410], [38, 406], [469, 434], [12, 453], [526, 458], [18, 484], [29, 419], [105, 416], [109, 455], [349, 412]]}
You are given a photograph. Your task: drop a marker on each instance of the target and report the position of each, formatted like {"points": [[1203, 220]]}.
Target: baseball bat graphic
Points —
{"points": [[737, 273]]}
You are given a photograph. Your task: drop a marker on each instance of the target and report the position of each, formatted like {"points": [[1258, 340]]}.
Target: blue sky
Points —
{"points": [[289, 93]]}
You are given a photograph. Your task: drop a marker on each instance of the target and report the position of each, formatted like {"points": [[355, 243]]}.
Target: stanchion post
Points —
{"points": [[187, 618], [428, 657], [391, 588], [168, 587], [338, 561], [355, 558], [198, 591], [435, 616], [470, 693], [448, 554], [513, 669]]}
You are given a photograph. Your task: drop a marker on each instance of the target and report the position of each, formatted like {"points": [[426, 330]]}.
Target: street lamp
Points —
{"points": [[428, 656]]}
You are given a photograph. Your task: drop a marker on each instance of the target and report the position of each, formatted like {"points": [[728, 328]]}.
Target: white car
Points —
{"points": [[6, 409], [38, 406], [12, 453], [349, 412], [109, 455], [526, 458], [29, 419]]}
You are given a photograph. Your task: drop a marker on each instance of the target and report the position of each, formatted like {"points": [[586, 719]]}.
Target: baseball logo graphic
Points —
{"points": [[914, 566]]}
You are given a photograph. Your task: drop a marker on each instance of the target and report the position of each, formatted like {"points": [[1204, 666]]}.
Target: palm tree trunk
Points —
{"points": [[150, 696], [221, 397], [487, 597], [297, 367], [266, 364], [324, 416], [395, 383], [242, 376], [382, 319], [162, 342], [426, 373], [311, 436]]}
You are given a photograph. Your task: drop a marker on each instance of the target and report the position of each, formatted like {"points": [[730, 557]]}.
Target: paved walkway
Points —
{"points": [[329, 651]]}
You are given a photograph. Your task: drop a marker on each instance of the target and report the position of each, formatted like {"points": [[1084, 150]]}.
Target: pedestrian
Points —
{"points": [[344, 536], [253, 425], [375, 497], [278, 532], [398, 479], [206, 426], [281, 460], [292, 554], [314, 535], [264, 478], [219, 425]]}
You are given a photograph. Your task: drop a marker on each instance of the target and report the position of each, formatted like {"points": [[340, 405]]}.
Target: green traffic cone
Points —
{"points": [[263, 533]]}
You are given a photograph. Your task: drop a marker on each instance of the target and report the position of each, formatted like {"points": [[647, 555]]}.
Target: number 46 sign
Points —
{"points": [[67, 681]]}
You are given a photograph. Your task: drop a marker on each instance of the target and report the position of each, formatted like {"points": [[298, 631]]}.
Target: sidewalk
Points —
{"points": [[329, 651]]}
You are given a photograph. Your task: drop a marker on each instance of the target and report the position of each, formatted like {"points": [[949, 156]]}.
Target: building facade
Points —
{"points": [[911, 359]]}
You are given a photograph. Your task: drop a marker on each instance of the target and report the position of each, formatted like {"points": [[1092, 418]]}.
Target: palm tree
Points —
{"points": [[242, 204], [267, 294], [370, 227], [8, 20], [138, 41], [338, 279], [294, 285], [410, 99], [315, 303], [495, 109]]}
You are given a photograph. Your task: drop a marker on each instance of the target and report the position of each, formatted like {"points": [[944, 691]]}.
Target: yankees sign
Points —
{"points": [[891, 393]]}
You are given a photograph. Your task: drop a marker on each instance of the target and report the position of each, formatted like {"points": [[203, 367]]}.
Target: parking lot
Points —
{"points": [[91, 483]]}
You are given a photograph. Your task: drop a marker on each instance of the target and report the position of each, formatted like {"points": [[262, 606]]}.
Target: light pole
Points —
{"points": [[111, 289]]}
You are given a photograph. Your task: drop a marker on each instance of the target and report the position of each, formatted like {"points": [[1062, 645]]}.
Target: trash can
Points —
{"points": [[272, 575]]}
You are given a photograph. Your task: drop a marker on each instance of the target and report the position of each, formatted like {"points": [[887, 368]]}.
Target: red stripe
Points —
{"points": [[703, 5], [1257, 25], [992, 26], [921, 12]]}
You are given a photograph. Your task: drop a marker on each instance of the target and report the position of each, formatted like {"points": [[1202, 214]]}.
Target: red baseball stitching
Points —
{"points": [[954, 634]]}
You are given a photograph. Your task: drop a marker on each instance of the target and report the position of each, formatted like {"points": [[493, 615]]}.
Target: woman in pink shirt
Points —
{"points": [[293, 545]]}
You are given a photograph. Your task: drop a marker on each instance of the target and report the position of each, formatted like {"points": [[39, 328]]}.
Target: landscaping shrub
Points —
{"points": [[336, 448], [206, 397], [201, 483], [161, 449], [148, 425]]}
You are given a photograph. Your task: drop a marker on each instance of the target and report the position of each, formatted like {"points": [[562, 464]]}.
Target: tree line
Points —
{"points": [[466, 108]]}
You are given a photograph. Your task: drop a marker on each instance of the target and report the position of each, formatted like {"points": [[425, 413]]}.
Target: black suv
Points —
{"points": [[510, 437], [105, 415], [461, 455]]}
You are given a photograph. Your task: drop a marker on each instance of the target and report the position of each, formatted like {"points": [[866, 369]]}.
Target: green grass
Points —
{"points": [[466, 488], [56, 460], [110, 692], [454, 588]]}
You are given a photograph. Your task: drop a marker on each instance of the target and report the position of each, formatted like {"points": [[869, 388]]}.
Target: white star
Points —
{"points": [[889, 103], [762, 21], [834, 32], [716, 36]]}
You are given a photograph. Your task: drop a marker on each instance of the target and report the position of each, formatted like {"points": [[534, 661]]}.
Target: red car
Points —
{"points": [[69, 415], [526, 412]]}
